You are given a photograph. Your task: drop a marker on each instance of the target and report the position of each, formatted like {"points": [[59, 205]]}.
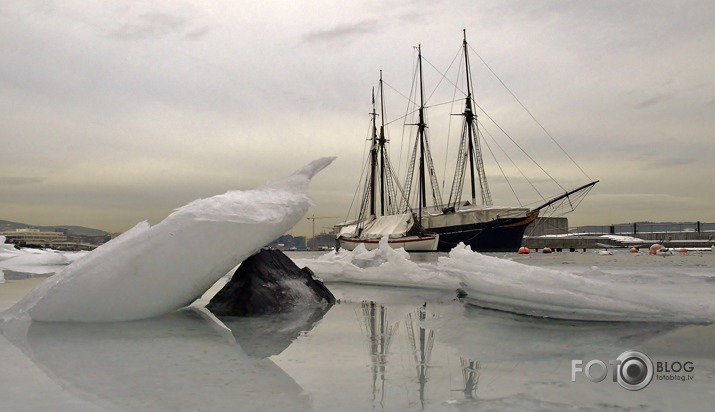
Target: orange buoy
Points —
{"points": [[546, 250], [524, 250], [633, 250]]}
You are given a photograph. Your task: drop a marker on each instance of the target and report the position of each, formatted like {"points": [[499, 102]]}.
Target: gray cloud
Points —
{"points": [[341, 34], [654, 100], [671, 162], [197, 33], [20, 180], [153, 25]]}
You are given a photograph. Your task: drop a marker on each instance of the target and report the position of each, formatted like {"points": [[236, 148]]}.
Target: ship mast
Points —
{"points": [[469, 148], [421, 126], [381, 144], [475, 153], [422, 145], [373, 158], [378, 158]]}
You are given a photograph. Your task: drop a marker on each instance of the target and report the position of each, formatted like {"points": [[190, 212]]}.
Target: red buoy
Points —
{"points": [[524, 250]]}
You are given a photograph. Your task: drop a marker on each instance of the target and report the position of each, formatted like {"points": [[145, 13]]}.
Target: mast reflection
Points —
{"points": [[379, 333]]}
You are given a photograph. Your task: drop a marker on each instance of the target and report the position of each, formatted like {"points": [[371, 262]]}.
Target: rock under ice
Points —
{"points": [[153, 270]]}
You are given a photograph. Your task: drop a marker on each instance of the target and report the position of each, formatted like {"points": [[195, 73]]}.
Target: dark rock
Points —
{"points": [[269, 282]]}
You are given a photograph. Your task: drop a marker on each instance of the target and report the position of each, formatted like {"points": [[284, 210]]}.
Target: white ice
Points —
{"points": [[34, 261], [382, 266], [150, 271], [647, 294], [514, 287]]}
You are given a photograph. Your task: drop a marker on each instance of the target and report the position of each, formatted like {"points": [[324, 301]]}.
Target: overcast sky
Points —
{"points": [[113, 112]]}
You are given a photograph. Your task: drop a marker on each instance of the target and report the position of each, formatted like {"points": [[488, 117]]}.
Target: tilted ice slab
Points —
{"points": [[150, 271]]}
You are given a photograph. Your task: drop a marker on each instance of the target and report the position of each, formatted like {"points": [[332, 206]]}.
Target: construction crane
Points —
{"points": [[313, 218]]}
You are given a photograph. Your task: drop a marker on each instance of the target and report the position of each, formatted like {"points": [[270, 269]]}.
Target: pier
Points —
{"points": [[555, 235]]}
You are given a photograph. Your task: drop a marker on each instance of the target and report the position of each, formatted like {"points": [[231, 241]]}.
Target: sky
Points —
{"points": [[114, 112]]}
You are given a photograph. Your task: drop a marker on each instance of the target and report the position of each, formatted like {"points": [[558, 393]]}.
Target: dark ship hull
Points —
{"points": [[499, 235]]}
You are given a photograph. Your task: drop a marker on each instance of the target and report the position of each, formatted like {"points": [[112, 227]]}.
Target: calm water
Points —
{"points": [[380, 348]]}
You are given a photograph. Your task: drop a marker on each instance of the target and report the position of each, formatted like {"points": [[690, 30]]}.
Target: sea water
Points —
{"points": [[400, 339]]}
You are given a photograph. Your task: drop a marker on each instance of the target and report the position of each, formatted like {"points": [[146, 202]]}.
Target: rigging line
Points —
{"points": [[521, 172], [402, 144], [434, 182], [520, 148], [404, 118], [574, 200], [361, 211], [407, 112], [449, 134], [529, 112], [409, 99], [581, 198], [360, 179], [459, 54], [444, 103], [444, 74], [508, 182], [399, 187], [364, 204]]}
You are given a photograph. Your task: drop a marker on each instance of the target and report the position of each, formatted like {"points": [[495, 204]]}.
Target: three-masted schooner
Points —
{"points": [[440, 226]]}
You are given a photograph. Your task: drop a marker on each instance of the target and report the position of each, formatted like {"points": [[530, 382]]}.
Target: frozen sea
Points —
{"points": [[398, 340]]}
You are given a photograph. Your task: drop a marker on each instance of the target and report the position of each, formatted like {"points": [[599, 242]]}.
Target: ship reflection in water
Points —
{"points": [[390, 349], [379, 334]]}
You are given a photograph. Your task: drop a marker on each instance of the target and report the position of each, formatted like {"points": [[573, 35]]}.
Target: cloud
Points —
{"points": [[654, 100], [152, 25], [669, 162], [197, 33], [157, 21], [345, 33], [20, 180]]}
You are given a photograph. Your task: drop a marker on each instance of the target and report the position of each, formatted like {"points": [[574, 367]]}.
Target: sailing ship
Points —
{"points": [[404, 216], [396, 221]]}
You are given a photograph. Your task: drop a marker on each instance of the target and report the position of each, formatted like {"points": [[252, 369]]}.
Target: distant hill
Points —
{"points": [[6, 225]]}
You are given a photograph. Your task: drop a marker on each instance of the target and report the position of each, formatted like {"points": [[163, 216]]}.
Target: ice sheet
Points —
{"points": [[34, 261], [648, 294], [150, 271]]}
